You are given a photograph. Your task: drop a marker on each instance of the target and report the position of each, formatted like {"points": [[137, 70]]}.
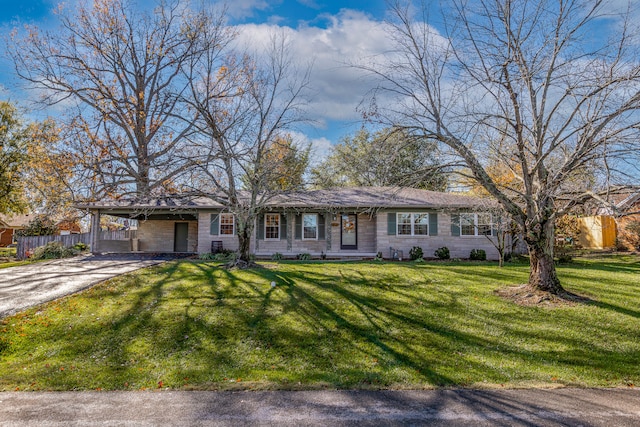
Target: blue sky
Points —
{"points": [[329, 32]]}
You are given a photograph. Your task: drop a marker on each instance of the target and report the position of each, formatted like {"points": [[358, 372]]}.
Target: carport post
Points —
{"points": [[95, 231]]}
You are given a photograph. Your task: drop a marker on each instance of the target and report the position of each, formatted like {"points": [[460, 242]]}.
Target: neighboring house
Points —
{"points": [[9, 225], [628, 211], [343, 222]]}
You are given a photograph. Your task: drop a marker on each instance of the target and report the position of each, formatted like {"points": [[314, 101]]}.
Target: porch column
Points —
{"points": [[95, 231]]}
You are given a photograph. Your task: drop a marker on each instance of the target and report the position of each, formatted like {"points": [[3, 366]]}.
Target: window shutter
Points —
{"points": [[214, 228], [321, 227], [283, 226], [391, 223], [298, 234], [433, 224], [261, 227], [455, 224]]}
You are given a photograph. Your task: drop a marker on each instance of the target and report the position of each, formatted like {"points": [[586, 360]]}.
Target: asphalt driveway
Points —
{"points": [[29, 285], [544, 408]]}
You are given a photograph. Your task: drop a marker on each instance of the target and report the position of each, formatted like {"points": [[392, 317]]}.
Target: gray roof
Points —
{"points": [[376, 197], [359, 198]]}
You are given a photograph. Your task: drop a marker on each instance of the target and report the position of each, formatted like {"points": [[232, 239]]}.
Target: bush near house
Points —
{"points": [[478, 255], [53, 250], [416, 253], [442, 253]]}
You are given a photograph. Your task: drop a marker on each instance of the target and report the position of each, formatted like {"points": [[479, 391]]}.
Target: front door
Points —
{"points": [[349, 231], [181, 236]]}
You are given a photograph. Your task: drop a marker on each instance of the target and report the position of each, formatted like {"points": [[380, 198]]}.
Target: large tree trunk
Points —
{"points": [[542, 275], [244, 245]]}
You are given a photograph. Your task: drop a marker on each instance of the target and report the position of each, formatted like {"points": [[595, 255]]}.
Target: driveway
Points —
{"points": [[28, 285], [561, 407]]}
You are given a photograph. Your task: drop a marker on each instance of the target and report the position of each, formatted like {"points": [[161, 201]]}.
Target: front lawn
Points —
{"points": [[194, 325], [8, 258]]}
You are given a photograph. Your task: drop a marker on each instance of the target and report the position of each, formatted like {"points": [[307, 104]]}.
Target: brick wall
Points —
{"points": [[459, 246], [159, 235]]}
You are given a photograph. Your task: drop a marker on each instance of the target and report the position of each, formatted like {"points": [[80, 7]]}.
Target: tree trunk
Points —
{"points": [[542, 274], [244, 245]]}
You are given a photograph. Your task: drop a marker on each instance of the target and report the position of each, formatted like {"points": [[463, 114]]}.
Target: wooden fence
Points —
{"points": [[26, 245], [118, 235]]}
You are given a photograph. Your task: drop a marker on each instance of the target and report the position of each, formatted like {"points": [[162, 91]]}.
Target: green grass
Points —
{"points": [[7, 252], [194, 325], [7, 258]]}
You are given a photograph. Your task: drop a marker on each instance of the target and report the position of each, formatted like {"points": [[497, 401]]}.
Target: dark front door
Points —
{"points": [[181, 236], [349, 231]]}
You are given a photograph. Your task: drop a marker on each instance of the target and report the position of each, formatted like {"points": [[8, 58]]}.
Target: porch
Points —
{"points": [[156, 233]]}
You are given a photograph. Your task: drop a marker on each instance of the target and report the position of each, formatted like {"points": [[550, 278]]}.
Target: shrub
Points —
{"points": [[206, 256], [41, 225], [225, 255], [442, 253], [80, 247], [303, 257], [564, 258], [415, 253], [277, 256], [478, 255], [53, 250]]}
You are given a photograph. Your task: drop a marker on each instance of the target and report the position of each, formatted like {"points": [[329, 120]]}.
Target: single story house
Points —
{"points": [[342, 222], [9, 225]]}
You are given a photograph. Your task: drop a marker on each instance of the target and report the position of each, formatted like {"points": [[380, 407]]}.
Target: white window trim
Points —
{"points": [[265, 227], [412, 224], [475, 225], [317, 227], [233, 221]]}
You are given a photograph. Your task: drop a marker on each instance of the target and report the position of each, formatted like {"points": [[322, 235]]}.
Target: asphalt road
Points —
{"points": [[24, 286], [559, 407]]}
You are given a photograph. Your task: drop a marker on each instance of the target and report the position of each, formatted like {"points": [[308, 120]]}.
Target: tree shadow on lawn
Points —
{"points": [[342, 330]]}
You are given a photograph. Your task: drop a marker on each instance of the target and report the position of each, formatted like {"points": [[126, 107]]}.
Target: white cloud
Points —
{"points": [[337, 87], [320, 147], [240, 9]]}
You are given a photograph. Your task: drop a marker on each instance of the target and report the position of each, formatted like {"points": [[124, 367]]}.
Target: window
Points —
{"points": [[272, 226], [484, 224], [412, 224], [404, 224], [226, 224], [467, 224], [472, 224], [421, 224], [309, 227]]}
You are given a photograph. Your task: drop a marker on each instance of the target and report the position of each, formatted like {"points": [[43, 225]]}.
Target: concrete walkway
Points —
{"points": [[28, 285], [560, 407]]}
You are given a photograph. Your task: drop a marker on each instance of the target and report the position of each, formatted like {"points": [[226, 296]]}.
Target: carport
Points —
{"points": [[162, 228]]}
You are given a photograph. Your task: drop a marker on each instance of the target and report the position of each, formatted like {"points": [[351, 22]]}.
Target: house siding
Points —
{"points": [[459, 246], [366, 235], [6, 236], [159, 235], [205, 237]]}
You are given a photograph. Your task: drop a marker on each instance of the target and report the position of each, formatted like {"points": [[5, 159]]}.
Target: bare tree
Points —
{"points": [[245, 104], [530, 84], [118, 72]]}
